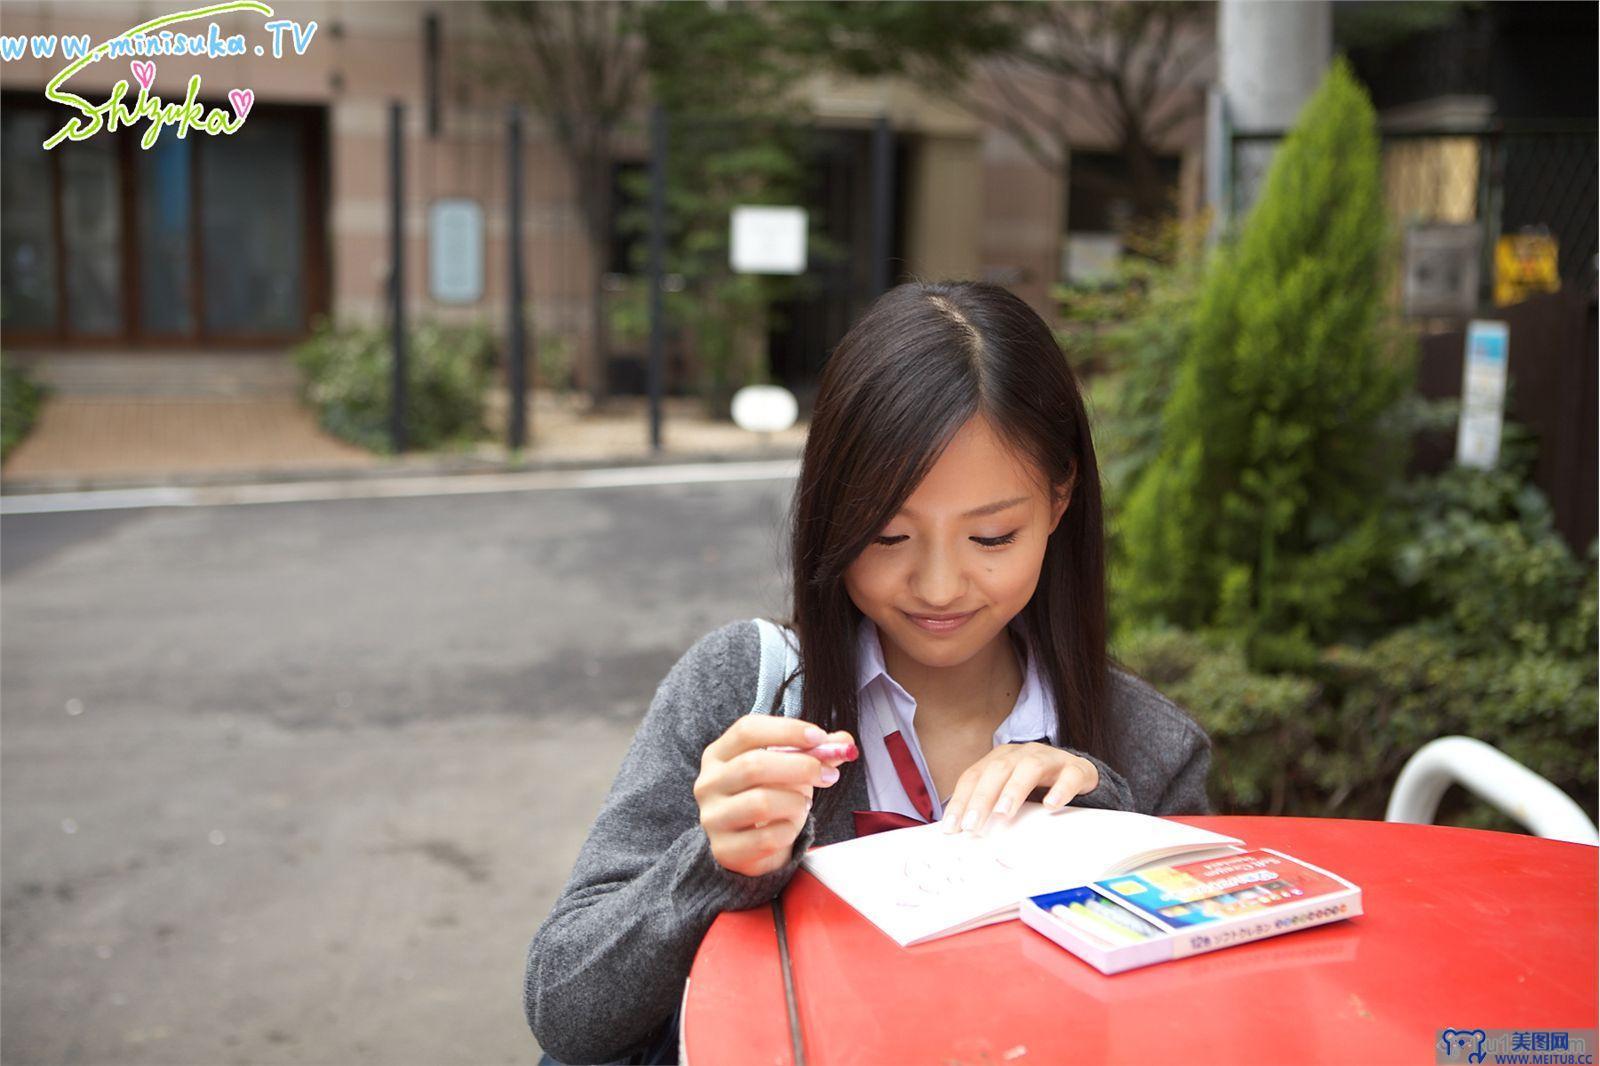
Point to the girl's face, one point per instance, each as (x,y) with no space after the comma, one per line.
(963,556)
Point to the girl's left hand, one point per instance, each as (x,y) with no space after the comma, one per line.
(1001,780)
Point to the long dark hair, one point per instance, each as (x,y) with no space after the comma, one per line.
(920,362)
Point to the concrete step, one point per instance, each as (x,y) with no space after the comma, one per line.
(255,375)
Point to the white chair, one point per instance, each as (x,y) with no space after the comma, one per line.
(1494,777)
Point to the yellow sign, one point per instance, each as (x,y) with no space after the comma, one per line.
(1524,264)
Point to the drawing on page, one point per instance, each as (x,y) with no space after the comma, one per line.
(968,862)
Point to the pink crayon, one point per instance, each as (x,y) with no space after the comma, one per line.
(844,751)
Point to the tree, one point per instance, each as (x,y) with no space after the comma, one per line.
(1264,512)
(579,63)
(738,134)
(1127,64)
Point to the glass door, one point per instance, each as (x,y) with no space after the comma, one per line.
(166,242)
(28,298)
(204,241)
(91,237)
(253,231)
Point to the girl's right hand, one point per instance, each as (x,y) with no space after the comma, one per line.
(754,802)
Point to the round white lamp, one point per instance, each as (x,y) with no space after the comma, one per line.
(765,409)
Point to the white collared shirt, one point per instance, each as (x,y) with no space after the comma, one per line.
(885,707)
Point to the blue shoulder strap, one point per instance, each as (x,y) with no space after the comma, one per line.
(779,657)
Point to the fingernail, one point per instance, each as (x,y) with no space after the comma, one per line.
(829,775)
(948,822)
(969,821)
(814,735)
(1003,808)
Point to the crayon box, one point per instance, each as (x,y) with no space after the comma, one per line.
(1166,912)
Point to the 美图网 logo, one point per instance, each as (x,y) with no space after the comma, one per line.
(1464,1047)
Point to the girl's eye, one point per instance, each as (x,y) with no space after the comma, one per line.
(987,542)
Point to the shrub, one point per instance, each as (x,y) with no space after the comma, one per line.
(1264,511)
(347,376)
(1260,725)
(1500,645)
(20,399)
(555,362)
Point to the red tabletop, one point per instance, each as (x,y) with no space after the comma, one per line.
(1463,928)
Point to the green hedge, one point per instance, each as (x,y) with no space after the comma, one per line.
(347,374)
(1499,644)
(20,399)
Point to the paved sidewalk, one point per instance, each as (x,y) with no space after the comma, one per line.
(93,441)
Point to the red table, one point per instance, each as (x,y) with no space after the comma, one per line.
(1463,928)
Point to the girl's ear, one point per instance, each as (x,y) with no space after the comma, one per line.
(1063,497)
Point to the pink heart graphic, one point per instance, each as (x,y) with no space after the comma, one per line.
(241,99)
(145,72)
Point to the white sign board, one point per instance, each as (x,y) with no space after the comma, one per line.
(1483,394)
(1441,269)
(1091,257)
(768,240)
(455,251)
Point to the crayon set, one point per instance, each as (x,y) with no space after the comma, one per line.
(1166,912)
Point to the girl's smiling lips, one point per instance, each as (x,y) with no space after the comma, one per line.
(939,623)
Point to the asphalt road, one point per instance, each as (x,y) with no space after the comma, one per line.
(297,782)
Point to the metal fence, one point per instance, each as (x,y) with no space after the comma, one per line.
(1502,180)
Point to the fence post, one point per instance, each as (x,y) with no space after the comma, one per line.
(397,276)
(882,203)
(658,240)
(515,365)
(1491,202)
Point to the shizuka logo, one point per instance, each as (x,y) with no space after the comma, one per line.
(140,46)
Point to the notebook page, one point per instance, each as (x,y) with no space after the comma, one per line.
(917,883)
(1056,848)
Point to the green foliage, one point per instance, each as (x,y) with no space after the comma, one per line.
(1484,556)
(1265,511)
(936,42)
(737,135)
(1126,337)
(555,362)
(20,399)
(1259,725)
(1499,644)
(347,376)
(1320,616)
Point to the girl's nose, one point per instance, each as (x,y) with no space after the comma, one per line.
(937,580)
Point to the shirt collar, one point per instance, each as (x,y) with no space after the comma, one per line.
(1032,717)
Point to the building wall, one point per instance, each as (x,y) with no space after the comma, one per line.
(979,205)
(364,55)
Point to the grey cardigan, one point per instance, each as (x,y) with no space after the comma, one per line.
(607,967)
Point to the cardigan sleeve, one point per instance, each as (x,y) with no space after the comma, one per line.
(1112,793)
(1165,754)
(606,969)
(1185,793)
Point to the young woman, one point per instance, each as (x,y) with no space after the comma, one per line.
(949,604)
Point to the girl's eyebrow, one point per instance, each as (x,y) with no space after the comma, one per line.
(978,512)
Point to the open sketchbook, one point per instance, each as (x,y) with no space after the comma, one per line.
(921,883)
